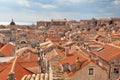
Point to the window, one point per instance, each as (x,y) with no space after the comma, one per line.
(91,71)
(116,70)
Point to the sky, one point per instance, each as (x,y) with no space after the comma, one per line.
(31,11)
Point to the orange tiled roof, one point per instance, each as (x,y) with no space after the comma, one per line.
(18,70)
(27,58)
(7,49)
(1,45)
(31,60)
(21,65)
(108,53)
(85,64)
(3,66)
(20,51)
(71,59)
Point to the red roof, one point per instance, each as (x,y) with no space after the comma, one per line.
(7,49)
(1,45)
(17,69)
(27,58)
(20,65)
(71,59)
(3,66)
(108,52)
(85,64)
(32,61)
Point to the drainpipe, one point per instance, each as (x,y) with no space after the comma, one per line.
(109,73)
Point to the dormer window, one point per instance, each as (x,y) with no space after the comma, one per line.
(91,71)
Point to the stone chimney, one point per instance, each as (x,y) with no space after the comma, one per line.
(78,63)
(28,55)
(66,51)
(96,61)
(11,76)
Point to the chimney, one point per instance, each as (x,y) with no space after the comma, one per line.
(28,55)
(66,51)
(96,61)
(11,76)
(78,63)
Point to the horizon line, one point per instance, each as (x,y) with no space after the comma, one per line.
(17,23)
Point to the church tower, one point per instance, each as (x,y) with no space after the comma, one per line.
(13,31)
(12,22)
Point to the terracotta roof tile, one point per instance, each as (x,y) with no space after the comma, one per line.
(7,49)
(29,64)
(18,70)
(108,52)
(71,59)
(1,45)
(30,61)
(27,58)
(3,66)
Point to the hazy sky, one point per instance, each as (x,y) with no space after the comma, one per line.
(34,10)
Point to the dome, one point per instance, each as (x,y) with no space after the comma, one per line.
(12,22)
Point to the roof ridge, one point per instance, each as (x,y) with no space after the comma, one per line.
(114,45)
(3,47)
(9,50)
(24,68)
(13,65)
(99,42)
(55,51)
(4,68)
(11,43)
